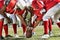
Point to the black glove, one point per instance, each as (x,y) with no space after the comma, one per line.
(7,2)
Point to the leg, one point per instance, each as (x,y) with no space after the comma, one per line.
(6,29)
(50,27)
(13,17)
(24,28)
(50,12)
(1,26)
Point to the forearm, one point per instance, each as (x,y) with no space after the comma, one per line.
(22,19)
(2,11)
(37,22)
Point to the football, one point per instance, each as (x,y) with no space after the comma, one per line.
(28,33)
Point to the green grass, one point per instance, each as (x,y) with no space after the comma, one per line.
(39,33)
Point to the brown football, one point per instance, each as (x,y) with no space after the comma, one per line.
(28,33)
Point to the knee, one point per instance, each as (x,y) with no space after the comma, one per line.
(45,18)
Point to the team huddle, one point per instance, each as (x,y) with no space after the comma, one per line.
(39,10)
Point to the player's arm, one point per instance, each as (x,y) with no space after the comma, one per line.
(2,11)
(38,20)
(22,19)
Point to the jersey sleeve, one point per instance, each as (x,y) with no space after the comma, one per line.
(57,0)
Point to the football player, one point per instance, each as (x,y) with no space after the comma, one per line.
(53,7)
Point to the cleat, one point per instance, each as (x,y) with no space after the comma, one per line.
(1,37)
(24,34)
(50,33)
(16,36)
(45,36)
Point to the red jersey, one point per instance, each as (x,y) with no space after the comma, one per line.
(19,12)
(49,3)
(1,3)
(36,5)
(57,0)
(11,5)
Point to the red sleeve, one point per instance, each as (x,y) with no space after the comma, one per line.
(37,5)
(39,17)
(19,12)
(40,5)
(9,10)
(11,6)
(57,0)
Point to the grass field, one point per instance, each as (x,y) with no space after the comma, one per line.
(39,33)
